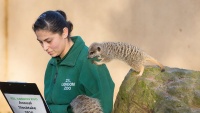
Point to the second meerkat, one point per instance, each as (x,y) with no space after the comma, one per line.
(128,53)
(86,104)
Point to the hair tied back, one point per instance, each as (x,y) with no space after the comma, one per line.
(43,16)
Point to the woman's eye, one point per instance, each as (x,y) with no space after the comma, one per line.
(48,41)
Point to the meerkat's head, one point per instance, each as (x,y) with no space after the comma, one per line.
(94,50)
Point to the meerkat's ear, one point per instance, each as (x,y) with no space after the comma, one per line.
(98,49)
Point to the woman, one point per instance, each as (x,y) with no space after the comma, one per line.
(69,72)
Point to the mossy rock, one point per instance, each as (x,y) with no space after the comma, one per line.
(173,91)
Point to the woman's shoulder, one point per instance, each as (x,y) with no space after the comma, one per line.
(83,56)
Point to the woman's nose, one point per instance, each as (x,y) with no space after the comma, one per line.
(45,46)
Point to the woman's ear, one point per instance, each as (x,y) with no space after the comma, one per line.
(65,32)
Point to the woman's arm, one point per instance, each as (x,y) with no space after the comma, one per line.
(96,82)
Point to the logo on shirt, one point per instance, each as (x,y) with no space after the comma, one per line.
(67,85)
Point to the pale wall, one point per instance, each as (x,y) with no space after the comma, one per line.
(2,41)
(3,105)
(166,29)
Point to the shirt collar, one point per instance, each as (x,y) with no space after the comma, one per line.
(71,57)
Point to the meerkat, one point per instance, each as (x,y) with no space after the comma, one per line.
(85,104)
(132,55)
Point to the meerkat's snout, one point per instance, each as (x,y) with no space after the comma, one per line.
(89,57)
(90,54)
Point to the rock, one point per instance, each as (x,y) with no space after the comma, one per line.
(173,91)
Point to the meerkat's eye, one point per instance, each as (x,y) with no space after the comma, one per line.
(92,52)
(98,48)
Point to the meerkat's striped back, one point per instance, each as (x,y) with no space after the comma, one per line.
(122,51)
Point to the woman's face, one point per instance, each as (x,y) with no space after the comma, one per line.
(53,43)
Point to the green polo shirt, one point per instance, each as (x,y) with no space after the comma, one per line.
(74,75)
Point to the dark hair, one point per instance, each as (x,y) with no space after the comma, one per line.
(53,21)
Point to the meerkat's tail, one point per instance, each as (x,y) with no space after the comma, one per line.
(151,59)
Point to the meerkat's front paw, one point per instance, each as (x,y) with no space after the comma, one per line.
(97,63)
(138,75)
